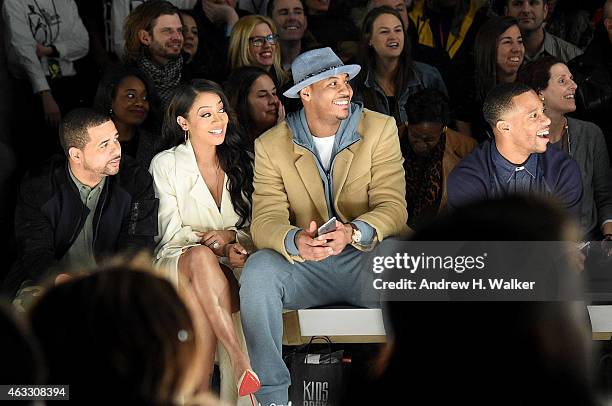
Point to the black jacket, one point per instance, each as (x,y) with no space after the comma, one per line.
(50,216)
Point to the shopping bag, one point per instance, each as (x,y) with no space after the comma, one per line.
(317,379)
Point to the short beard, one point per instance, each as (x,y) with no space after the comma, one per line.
(165,55)
(173,57)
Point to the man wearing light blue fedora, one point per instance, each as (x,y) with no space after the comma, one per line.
(333,158)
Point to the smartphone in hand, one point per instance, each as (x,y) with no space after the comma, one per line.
(328,227)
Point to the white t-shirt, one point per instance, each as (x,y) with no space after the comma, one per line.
(325,145)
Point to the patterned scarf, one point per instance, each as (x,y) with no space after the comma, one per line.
(423,182)
(166,78)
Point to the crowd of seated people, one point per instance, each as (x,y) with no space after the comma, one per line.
(217,138)
(107,335)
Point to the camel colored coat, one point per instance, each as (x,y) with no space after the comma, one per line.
(367,177)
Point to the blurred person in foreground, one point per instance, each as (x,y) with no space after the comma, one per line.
(123,333)
(521,352)
(22,358)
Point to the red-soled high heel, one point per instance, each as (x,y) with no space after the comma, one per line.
(248,383)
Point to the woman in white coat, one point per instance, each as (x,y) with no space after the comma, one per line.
(204,183)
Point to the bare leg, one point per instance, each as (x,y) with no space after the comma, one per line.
(212,289)
(207,342)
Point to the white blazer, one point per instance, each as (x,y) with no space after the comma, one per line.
(185,206)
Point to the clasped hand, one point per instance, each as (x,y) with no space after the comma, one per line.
(217,240)
(317,248)
(223,244)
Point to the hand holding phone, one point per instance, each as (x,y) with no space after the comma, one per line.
(328,227)
(335,235)
(311,248)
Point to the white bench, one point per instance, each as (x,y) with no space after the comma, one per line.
(357,325)
(341,324)
(601,321)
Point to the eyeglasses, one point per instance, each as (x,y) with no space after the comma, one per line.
(258,42)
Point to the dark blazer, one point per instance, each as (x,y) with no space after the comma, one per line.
(50,216)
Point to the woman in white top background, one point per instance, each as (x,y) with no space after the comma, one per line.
(204,183)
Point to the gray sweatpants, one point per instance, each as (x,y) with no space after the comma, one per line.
(269,284)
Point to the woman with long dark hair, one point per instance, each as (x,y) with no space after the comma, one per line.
(204,183)
(253,97)
(498,55)
(389,75)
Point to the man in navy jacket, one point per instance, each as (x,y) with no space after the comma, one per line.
(517,161)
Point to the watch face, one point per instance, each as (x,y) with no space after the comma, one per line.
(356,236)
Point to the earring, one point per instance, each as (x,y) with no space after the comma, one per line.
(110,112)
(186,135)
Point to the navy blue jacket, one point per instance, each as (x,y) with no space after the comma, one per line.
(474,179)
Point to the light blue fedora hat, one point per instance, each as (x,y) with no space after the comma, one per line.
(313,66)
